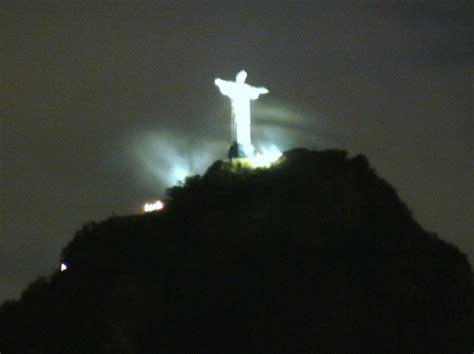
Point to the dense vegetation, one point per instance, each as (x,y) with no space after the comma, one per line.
(314,255)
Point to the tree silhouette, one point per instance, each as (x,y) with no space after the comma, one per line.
(316,254)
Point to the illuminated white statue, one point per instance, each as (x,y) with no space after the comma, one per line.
(240,95)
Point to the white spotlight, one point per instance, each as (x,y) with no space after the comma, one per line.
(148,207)
(266,157)
(63,267)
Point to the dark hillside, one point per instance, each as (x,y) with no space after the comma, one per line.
(313,255)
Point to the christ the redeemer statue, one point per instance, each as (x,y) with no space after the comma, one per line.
(240,95)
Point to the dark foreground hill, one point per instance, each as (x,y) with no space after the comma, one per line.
(313,255)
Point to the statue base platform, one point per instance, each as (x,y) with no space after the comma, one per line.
(237,151)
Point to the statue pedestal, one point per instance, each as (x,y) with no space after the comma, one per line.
(237,150)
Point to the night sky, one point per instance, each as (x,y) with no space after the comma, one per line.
(105,105)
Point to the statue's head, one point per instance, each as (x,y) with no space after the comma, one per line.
(241,76)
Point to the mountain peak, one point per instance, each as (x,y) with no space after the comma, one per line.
(314,253)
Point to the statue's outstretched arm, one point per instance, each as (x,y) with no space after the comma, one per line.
(223,86)
(257,91)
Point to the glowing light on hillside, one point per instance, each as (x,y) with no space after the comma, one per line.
(63,267)
(266,158)
(148,207)
(179,173)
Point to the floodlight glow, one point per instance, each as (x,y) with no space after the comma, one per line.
(240,95)
(167,158)
(148,207)
(266,157)
(179,173)
(63,267)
